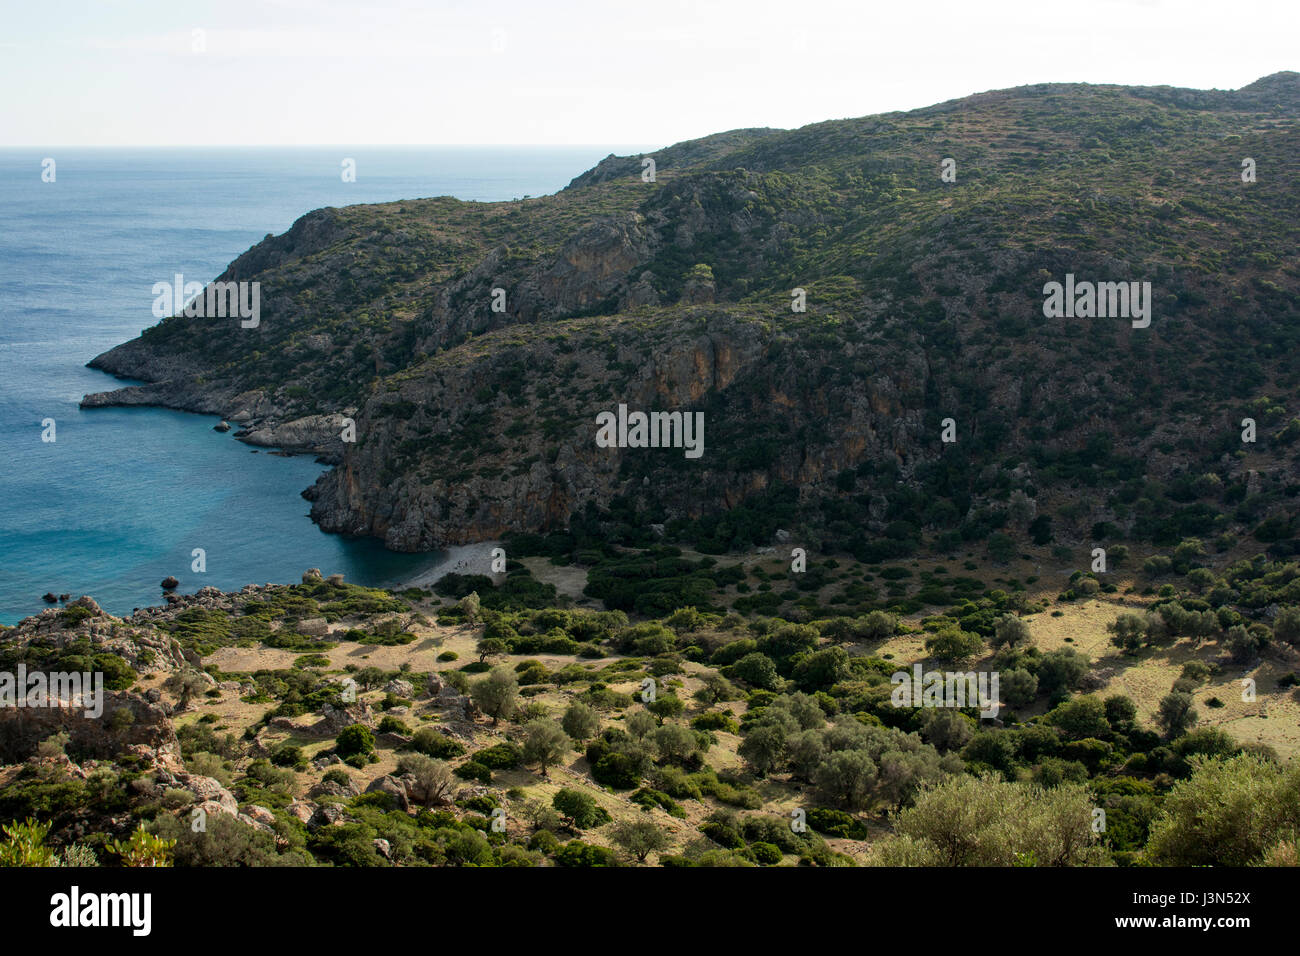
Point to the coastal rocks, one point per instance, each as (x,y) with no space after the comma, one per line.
(335,579)
(144,648)
(49,598)
(222,426)
(170,583)
(314,433)
(311,576)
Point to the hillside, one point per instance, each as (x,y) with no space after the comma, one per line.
(924,303)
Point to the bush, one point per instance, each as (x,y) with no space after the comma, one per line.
(577,853)
(393,725)
(766,853)
(287,755)
(434,743)
(579,809)
(356,740)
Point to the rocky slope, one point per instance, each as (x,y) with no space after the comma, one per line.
(475,412)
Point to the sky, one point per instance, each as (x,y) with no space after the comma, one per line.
(316,72)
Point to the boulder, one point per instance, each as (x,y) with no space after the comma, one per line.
(311,575)
(313,627)
(393,787)
(261,814)
(400,688)
(335,579)
(325,816)
(209,790)
(169,583)
(335,719)
(301,810)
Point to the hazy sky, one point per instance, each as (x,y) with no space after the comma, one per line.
(298,72)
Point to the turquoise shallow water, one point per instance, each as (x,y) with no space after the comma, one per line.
(123,496)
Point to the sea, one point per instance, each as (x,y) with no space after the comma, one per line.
(122,497)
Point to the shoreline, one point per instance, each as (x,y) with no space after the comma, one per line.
(458,559)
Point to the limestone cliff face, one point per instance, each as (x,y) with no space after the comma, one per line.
(821,295)
(408,481)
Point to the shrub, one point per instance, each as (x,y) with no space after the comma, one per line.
(356,740)
(434,743)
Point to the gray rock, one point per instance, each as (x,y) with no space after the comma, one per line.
(393,787)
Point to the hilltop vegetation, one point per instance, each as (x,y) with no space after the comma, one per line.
(924,303)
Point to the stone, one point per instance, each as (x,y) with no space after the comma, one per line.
(335,579)
(313,627)
(393,787)
(311,575)
(169,583)
(400,688)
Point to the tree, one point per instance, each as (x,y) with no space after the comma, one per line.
(580,721)
(675,743)
(666,705)
(489,646)
(1002,547)
(715,688)
(822,669)
(185,684)
(1128,632)
(1286,626)
(545,744)
(985,821)
(368,677)
(496,693)
(757,670)
(846,778)
(1019,687)
(1011,631)
(433,778)
(470,606)
(639,838)
(1120,710)
(954,645)
(580,810)
(354,740)
(875,626)
(1081,717)
(902,774)
(1177,714)
(640,723)
(1228,813)
(763,748)
(1060,669)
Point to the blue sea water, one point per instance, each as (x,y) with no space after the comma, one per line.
(122,497)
